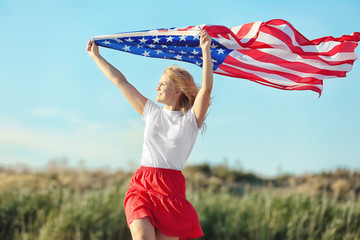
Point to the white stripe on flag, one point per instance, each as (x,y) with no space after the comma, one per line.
(295,58)
(273,67)
(252,33)
(323,47)
(341,56)
(270,77)
(273,79)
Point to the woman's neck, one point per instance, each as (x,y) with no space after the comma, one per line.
(172,108)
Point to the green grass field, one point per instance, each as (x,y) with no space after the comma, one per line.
(82,204)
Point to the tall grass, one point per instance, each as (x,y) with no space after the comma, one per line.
(57,213)
(266,214)
(29,210)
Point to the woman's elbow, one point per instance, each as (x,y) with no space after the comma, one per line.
(207,88)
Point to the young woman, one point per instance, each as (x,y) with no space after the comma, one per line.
(155,204)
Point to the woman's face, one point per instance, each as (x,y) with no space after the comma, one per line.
(167,94)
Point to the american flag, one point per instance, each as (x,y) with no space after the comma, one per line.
(271,53)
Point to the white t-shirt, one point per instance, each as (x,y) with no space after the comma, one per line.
(169,137)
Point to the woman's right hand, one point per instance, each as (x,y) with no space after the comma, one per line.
(205,40)
(92,49)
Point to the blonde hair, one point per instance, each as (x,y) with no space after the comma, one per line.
(182,81)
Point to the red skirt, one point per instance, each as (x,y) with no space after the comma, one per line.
(159,193)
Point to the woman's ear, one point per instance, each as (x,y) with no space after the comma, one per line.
(178,93)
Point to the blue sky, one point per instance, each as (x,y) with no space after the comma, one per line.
(55,102)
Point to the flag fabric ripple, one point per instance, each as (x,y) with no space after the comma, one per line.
(271,53)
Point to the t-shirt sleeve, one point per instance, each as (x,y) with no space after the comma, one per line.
(150,107)
(192,119)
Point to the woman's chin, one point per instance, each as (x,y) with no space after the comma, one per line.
(161,99)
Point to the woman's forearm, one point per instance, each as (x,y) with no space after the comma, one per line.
(136,99)
(207,75)
(110,71)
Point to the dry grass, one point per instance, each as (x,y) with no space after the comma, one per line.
(61,202)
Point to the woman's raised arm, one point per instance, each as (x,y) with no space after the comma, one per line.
(202,100)
(136,99)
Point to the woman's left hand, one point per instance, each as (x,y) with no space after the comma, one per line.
(205,40)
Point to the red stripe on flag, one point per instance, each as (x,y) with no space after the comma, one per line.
(352,38)
(244,30)
(342,47)
(233,72)
(292,77)
(297,66)
(257,44)
(301,39)
(309,87)
(215,30)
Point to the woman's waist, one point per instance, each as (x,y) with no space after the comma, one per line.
(158,162)
(163,181)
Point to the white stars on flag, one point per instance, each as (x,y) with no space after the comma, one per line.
(169,39)
(126,48)
(220,51)
(143,40)
(213,45)
(182,38)
(156,40)
(158,51)
(163,45)
(146,53)
(195,52)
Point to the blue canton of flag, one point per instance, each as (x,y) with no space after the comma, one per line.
(161,44)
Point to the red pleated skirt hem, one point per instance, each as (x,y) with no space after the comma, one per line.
(160,194)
